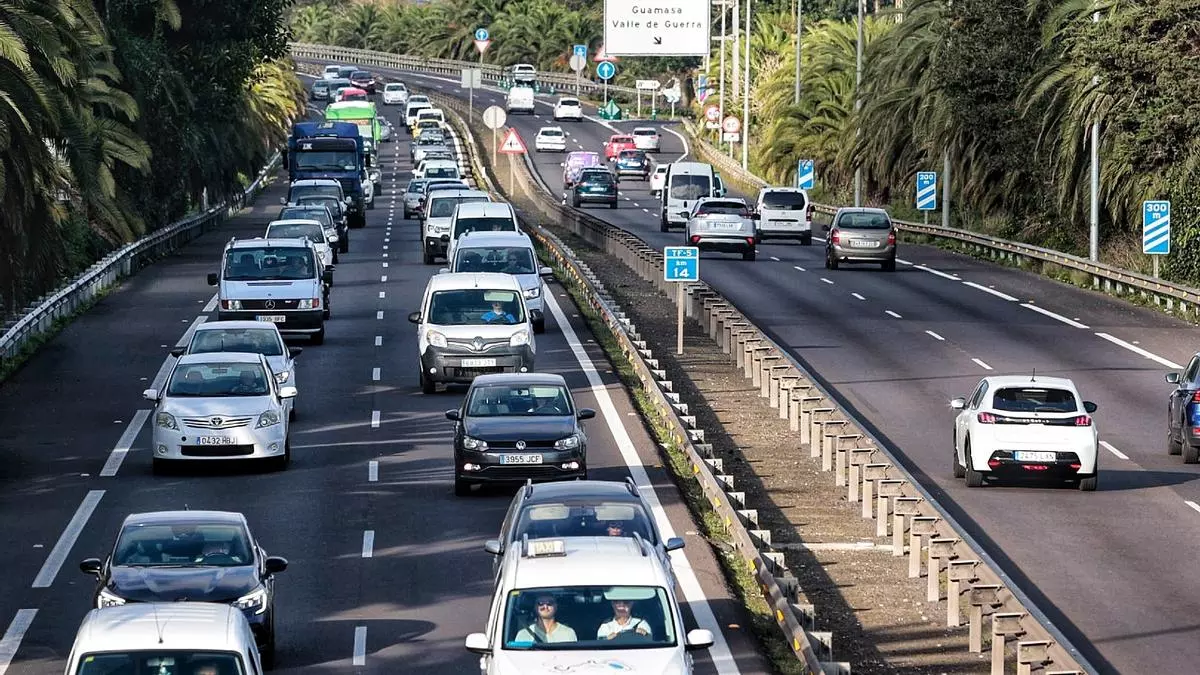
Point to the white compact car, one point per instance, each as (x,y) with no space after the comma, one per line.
(550,139)
(311,230)
(1026,426)
(647,138)
(568,108)
(395,93)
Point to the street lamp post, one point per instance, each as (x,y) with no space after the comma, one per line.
(858,74)
(1094,229)
(799,30)
(746,95)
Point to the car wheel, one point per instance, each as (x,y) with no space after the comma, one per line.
(539,326)
(335,256)
(461,487)
(889,265)
(344,244)
(662,226)
(160,467)
(974,478)
(575,202)
(428,386)
(1191,453)
(281,462)
(327,313)
(1090,483)
(749,254)
(612,205)
(427,258)
(806,240)
(960,471)
(318,338)
(1173,448)
(292,412)
(831,261)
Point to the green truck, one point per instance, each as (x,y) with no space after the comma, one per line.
(363,115)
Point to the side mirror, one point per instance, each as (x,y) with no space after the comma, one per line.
(545,272)
(453,415)
(415,317)
(212,278)
(494,547)
(562,164)
(1089,407)
(958,403)
(150,395)
(349,201)
(178,351)
(295,351)
(91,566)
(274,564)
(478,643)
(444,270)
(287,392)
(333,239)
(674,544)
(283,200)
(586,413)
(1172,378)
(698,639)
(327,276)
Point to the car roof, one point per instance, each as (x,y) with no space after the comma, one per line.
(861,209)
(203,626)
(395,84)
(467,192)
(568,99)
(485,210)
(552,127)
(440,163)
(637,129)
(312,182)
(260,242)
(518,378)
(460,280)
(592,561)
(294,221)
(1033,381)
(784,189)
(601,489)
(160,517)
(235,325)
(619,136)
(220,357)
(706,200)
(486,239)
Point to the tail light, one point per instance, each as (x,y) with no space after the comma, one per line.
(835,236)
(695,239)
(986,418)
(808,212)
(750,240)
(1196,396)
(1083,421)
(892,238)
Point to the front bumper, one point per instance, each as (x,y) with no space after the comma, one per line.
(246,442)
(437,245)
(441,365)
(486,467)
(299,322)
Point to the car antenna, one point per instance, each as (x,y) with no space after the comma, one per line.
(1033,378)
(157,626)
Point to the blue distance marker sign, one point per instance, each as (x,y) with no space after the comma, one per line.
(927,190)
(605,70)
(481,34)
(806,174)
(580,50)
(1156,227)
(681,263)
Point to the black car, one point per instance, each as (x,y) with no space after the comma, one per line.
(363,80)
(634,163)
(518,426)
(201,556)
(307,210)
(595,186)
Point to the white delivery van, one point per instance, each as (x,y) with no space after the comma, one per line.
(685,183)
(784,213)
(520,99)
(506,253)
(469,325)
(492,217)
(439,212)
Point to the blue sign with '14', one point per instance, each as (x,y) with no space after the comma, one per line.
(681,263)
(927,190)
(806,174)
(1156,227)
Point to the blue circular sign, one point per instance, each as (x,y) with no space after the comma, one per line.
(606,70)
(481,34)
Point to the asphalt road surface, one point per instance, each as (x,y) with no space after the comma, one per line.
(387,569)
(1107,567)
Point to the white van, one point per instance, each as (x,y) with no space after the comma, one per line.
(331,72)
(520,99)
(277,280)
(784,213)
(439,212)
(165,638)
(437,168)
(492,217)
(416,103)
(686,182)
(506,253)
(472,324)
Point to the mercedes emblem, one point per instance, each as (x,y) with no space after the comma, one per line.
(520,445)
(270,304)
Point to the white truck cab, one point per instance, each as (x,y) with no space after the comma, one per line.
(506,253)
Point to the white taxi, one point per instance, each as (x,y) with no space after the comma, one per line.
(1015,425)
(564,602)
(550,139)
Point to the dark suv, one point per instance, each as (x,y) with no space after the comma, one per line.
(634,163)
(595,186)
(363,80)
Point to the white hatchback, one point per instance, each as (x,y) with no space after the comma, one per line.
(395,93)
(550,139)
(568,108)
(647,138)
(1025,426)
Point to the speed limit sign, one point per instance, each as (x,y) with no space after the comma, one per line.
(712,113)
(731,125)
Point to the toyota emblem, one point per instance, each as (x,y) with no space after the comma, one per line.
(520,445)
(270,304)
(216,421)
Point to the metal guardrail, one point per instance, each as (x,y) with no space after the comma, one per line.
(40,316)
(1107,278)
(938,548)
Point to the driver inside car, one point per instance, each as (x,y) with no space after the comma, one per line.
(498,313)
(623,621)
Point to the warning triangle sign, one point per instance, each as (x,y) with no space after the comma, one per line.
(512,145)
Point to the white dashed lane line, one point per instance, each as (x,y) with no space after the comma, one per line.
(374,419)
(375,375)
(378,340)
(360,646)
(826,280)
(985,289)
(799,268)
(860,297)
(981,364)
(66,541)
(379,315)
(1108,446)
(1141,352)
(13,635)
(775,259)
(892,314)
(1193,505)
(1052,315)
(935,336)
(373,471)
(368,545)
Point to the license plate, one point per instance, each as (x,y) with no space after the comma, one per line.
(520,459)
(784,223)
(215,440)
(724,227)
(272,318)
(862,243)
(479,363)
(1028,456)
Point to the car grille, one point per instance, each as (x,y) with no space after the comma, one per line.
(216,422)
(507,446)
(269,304)
(350,185)
(216,450)
(473,347)
(476,372)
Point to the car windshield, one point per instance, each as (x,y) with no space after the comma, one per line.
(301,191)
(263,341)
(723,208)
(218,379)
(1034,399)
(360,75)
(160,662)
(269,263)
(193,543)
(864,221)
(502,259)
(784,201)
(519,400)
(311,231)
(464,225)
(443,207)
(689,187)
(442,172)
(587,617)
(475,307)
(311,213)
(581,517)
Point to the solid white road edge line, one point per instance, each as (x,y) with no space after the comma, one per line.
(124,444)
(985,289)
(360,646)
(981,364)
(1108,446)
(13,636)
(1052,315)
(687,149)
(951,277)
(368,548)
(722,658)
(1138,350)
(58,555)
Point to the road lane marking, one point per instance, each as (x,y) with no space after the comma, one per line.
(368,548)
(858,296)
(375,375)
(1138,350)
(686,148)
(775,259)
(212,304)
(935,336)
(1194,505)
(892,314)
(1108,446)
(385,265)
(382,295)
(124,444)
(360,645)
(993,291)
(799,268)
(904,262)
(1052,315)
(13,636)
(373,471)
(981,364)
(383,279)
(374,419)
(826,280)
(58,554)
(379,315)
(951,277)
(378,340)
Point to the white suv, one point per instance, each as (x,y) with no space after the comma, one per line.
(550,139)
(784,213)
(568,108)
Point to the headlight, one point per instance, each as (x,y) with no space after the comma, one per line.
(254,600)
(283,377)
(166,421)
(569,443)
(108,599)
(519,338)
(531,293)
(474,444)
(231,304)
(268,419)
(435,338)
(308,303)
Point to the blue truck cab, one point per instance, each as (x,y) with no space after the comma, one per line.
(332,150)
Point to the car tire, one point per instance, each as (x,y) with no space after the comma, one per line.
(267,653)
(613,205)
(806,240)
(575,202)
(1173,448)
(428,386)
(974,478)
(960,471)
(1191,453)
(461,487)
(427,258)
(663,227)
(539,326)
(327,313)
(282,462)
(749,255)
(1090,483)
(889,265)
(335,255)
(318,338)
(831,261)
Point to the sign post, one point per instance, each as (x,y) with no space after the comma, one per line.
(494,118)
(806,174)
(1156,230)
(512,145)
(681,265)
(471,78)
(605,71)
(578,63)
(634,27)
(926,193)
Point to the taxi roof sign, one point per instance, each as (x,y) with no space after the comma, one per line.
(542,548)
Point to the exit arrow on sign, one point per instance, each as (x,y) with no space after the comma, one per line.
(658,40)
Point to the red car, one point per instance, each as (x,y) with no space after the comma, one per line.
(616,144)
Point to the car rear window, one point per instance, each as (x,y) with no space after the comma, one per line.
(395,86)
(630,154)
(597,177)
(864,221)
(568,101)
(644,132)
(727,208)
(784,201)
(622,139)
(581,517)
(464,225)
(550,132)
(1034,399)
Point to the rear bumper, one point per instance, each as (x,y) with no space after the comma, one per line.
(726,244)
(591,198)
(846,254)
(299,322)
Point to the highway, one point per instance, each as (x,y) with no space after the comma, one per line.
(1106,567)
(387,569)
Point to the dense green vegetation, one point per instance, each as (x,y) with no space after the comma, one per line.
(116,115)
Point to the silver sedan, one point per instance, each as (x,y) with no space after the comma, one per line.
(861,235)
(251,337)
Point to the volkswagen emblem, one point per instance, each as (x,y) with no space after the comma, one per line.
(520,445)
(216,421)
(270,304)
(478,344)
